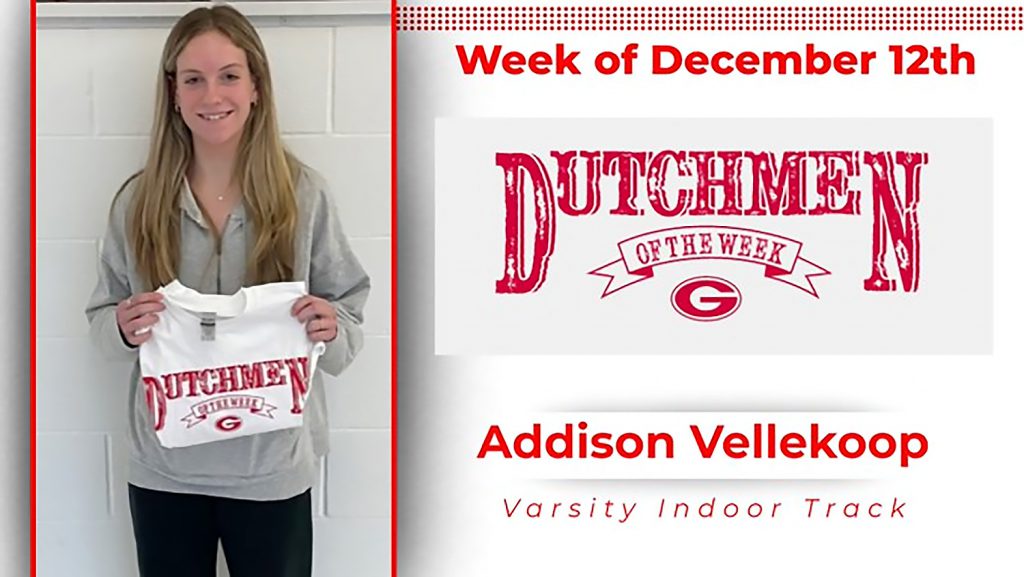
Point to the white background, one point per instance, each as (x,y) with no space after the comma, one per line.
(962,502)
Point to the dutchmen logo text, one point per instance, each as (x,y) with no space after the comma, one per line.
(692,188)
(232,389)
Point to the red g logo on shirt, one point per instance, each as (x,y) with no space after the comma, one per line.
(228,423)
(706,298)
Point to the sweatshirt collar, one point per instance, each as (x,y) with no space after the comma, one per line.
(187,202)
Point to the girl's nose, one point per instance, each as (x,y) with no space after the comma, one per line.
(213,93)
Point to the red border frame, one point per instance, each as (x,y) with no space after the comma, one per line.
(394,288)
(32,276)
(394,293)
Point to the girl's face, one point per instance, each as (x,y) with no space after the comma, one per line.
(214,90)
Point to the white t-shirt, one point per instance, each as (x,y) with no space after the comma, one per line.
(226,366)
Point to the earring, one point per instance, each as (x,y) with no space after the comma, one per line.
(177,109)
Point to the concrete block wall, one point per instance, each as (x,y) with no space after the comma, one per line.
(96,76)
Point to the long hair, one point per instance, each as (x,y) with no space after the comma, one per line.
(264,170)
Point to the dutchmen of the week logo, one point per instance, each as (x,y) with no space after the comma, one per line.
(238,390)
(690,191)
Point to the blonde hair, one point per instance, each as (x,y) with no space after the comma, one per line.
(265,171)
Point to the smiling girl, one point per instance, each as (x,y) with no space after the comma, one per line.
(220,205)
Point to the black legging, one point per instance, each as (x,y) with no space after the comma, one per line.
(176,535)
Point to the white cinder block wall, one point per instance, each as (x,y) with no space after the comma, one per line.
(96,74)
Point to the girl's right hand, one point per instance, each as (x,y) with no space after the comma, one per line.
(137,314)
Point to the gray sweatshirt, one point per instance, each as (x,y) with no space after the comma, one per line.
(267,466)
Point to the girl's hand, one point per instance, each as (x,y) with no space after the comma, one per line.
(319,316)
(137,314)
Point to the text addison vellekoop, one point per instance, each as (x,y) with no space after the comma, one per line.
(760,441)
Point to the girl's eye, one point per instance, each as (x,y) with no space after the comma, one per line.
(231,77)
(192,80)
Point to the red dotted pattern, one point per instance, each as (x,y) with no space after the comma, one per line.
(708,18)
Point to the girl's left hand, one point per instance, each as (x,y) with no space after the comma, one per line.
(319,317)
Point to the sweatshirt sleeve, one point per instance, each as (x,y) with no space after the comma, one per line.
(112,286)
(336,276)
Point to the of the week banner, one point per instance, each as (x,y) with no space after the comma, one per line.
(721,288)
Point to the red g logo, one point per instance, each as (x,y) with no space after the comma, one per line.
(228,423)
(706,298)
